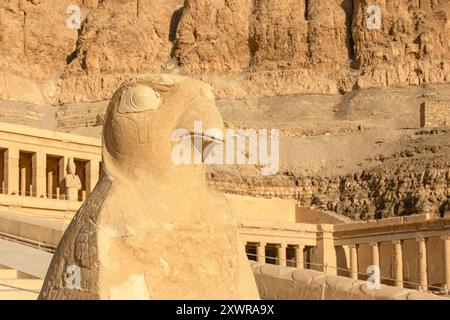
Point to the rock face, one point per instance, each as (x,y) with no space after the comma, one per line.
(242,47)
(34,45)
(118,39)
(362,196)
(152,229)
(121,37)
(268,34)
(397,188)
(34,39)
(412,47)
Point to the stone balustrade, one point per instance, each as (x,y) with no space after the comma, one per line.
(277,282)
(411,252)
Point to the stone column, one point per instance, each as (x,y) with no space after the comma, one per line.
(11,174)
(398,263)
(261,252)
(23,181)
(39,176)
(446,240)
(92,174)
(50,184)
(62,173)
(375,254)
(299,259)
(281,254)
(353,262)
(423,277)
(2,172)
(325,248)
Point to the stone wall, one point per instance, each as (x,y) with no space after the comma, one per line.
(307,215)
(32,230)
(435,114)
(261,208)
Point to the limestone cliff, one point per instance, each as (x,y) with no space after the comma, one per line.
(243,47)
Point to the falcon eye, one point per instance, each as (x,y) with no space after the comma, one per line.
(139,98)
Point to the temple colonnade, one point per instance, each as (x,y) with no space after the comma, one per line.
(33,162)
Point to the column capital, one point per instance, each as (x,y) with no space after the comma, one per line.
(13,151)
(374,244)
(261,244)
(446,237)
(420,239)
(281,245)
(396,241)
(299,246)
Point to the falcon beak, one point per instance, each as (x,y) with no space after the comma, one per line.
(202,110)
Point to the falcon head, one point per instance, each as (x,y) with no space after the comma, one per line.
(145,111)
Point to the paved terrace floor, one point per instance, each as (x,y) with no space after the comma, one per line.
(26,259)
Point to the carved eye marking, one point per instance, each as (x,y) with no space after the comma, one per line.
(139,98)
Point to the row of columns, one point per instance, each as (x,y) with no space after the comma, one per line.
(16,177)
(398,261)
(281,254)
(324,252)
(375,259)
(15,181)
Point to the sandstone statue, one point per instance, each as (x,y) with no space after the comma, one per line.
(72,182)
(152,229)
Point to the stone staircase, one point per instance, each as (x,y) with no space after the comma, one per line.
(16,285)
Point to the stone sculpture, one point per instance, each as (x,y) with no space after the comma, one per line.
(72,181)
(152,229)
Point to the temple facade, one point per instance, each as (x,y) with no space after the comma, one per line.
(35,165)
